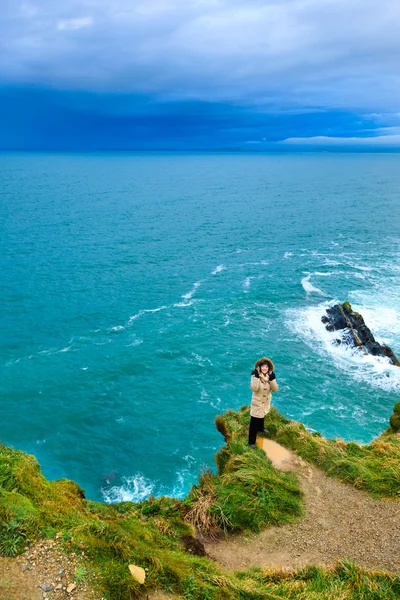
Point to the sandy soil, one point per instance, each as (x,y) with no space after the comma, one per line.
(341,522)
(44,571)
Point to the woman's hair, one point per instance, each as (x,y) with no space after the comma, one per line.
(264,361)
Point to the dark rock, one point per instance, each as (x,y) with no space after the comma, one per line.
(355,332)
(45,588)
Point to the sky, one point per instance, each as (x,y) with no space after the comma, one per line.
(200,74)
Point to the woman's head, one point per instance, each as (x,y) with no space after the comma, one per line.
(265,365)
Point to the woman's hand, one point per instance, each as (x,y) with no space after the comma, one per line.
(272,376)
(256,373)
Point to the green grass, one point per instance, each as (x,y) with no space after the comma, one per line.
(247,494)
(373,467)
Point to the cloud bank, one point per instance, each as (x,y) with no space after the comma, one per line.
(264,58)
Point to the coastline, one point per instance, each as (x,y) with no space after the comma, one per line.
(247,496)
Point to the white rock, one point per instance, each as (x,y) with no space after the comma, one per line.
(137,573)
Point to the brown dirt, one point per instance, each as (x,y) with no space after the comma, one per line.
(44,571)
(341,522)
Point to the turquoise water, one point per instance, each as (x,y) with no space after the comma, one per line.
(139,289)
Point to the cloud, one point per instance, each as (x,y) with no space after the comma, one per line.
(382,141)
(34,118)
(72,24)
(293,53)
(219,72)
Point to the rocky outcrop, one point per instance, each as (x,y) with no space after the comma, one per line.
(355,332)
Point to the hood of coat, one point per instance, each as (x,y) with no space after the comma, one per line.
(264,360)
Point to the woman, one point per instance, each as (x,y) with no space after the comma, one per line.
(263,382)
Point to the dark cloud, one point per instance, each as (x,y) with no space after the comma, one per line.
(48,119)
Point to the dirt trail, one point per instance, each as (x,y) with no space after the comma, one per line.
(341,522)
(44,571)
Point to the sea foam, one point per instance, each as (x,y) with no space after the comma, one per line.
(218,269)
(375,370)
(308,287)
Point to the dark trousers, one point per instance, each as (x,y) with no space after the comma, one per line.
(256,424)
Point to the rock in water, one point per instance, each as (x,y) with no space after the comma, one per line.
(356,333)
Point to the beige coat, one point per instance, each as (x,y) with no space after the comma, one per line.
(261,399)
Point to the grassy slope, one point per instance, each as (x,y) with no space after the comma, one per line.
(373,467)
(247,494)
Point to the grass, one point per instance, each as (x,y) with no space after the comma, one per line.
(247,494)
(156,534)
(373,467)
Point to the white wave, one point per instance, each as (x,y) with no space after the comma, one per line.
(216,404)
(362,268)
(375,370)
(197,359)
(257,263)
(190,294)
(308,287)
(204,396)
(138,487)
(332,263)
(246,283)
(182,304)
(135,342)
(218,269)
(50,351)
(145,311)
(179,490)
(288,254)
(383,321)
(134,489)
(9,363)
(84,368)
(116,328)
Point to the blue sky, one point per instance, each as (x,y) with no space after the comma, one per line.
(254,74)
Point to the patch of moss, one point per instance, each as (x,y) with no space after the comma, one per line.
(396,408)
(395,422)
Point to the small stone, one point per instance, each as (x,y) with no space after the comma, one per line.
(45,588)
(71,587)
(137,573)
(58,586)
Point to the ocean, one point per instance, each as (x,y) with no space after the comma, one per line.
(138,290)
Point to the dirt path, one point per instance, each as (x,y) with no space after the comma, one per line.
(340,522)
(44,571)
